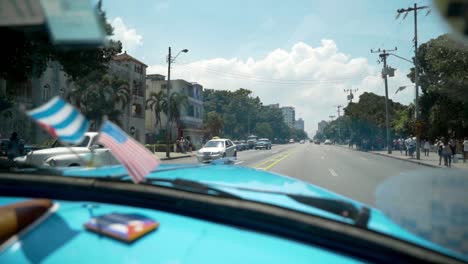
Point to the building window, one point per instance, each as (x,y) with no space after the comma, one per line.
(191,111)
(46,92)
(137,110)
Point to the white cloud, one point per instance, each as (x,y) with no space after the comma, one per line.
(311,79)
(129,37)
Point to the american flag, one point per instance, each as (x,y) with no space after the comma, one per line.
(137,159)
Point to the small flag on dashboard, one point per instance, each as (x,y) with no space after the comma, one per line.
(61,120)
(136,158)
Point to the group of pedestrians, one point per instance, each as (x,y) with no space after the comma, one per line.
(184,144)
(407,145)
(446,148)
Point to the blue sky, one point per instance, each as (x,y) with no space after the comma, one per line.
(254,29)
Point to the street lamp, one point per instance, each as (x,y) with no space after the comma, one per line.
(170,60)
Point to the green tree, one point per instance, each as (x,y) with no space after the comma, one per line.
(179,104)
(97,96)
(214,123)
(443,79)
(263,130)
(155,103)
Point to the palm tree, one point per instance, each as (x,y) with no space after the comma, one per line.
(99,96)
(178,103)
(155,103)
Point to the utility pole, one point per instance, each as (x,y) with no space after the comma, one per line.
(415,9)
(338,107)
(168,127)
(385,72)
(350,96)
(170,60)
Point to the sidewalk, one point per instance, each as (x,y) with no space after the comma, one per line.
(432,160)
(174,155)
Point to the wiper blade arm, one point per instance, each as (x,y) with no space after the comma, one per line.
(193,186)
(360,216)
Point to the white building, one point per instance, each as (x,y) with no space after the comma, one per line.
(133,71)
(299,124)
(289,115)
(191,116)
(321,126)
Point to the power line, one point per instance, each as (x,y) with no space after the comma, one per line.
(230,75)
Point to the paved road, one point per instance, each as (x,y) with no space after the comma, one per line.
(431,202)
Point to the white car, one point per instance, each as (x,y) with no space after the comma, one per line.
(328,142)
(97,158)
(215,149)
(39,157)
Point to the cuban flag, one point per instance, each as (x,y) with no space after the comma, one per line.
(63,121)
(136,158)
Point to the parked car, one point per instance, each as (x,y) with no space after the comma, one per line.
(302,141)
(215,149)
(240,145)
(327,142)
(97,157)
(251,141)
(317,142)
(263,143)
(38,157)
(291,141)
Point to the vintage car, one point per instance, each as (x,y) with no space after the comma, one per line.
(182,212)
(73,153)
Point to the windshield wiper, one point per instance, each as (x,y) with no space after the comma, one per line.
(193,186)
(360,216)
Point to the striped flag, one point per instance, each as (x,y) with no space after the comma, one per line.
(137,159)
(63,121)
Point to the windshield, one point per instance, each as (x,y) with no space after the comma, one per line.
(214,144)
(364,99)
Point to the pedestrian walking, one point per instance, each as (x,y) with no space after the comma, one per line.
(182,145)
(427,147)
(453,147)
(189,144)
(411,145)
(15,148)
(465,149)
(447,153)
(439,146)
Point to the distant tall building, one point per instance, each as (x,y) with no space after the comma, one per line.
(289,115)
(274,105)
(299,124)
(321,126)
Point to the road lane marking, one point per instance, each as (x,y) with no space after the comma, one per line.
(276,161)
(333,173)
(364,158)
(239,162)
(269,163)
(274,152)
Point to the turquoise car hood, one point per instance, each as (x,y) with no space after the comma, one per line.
(228,176)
